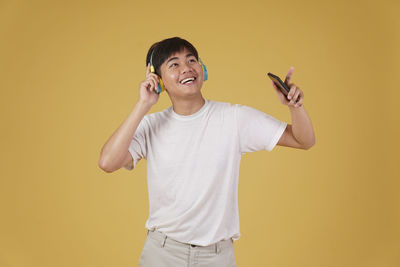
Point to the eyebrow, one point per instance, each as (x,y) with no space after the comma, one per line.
(173,58)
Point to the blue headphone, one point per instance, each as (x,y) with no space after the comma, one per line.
(161,84)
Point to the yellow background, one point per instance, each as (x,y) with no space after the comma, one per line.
(70,73)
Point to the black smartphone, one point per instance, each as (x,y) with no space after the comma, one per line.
(281,85)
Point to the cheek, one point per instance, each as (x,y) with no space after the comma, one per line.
(171,77)
(199,70)
(170,80)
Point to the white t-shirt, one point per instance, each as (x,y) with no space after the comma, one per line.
(193,167)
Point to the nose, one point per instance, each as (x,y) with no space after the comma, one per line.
(186,67)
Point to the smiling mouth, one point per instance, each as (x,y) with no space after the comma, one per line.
(188,80)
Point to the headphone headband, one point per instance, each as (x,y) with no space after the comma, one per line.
(151,62)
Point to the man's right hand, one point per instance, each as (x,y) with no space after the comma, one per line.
(148,88)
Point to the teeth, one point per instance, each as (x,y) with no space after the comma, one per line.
(187,80)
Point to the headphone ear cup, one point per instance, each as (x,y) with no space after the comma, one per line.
(160,86)
(205,73)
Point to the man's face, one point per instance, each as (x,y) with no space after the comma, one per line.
(182,74)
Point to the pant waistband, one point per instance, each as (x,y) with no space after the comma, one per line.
(164,240)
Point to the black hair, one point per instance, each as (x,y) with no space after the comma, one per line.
(167,47)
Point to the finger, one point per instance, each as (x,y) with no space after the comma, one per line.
(156,77)
(292,91)
(150,83)
(152,78)
(154,87)
(147,85)
(279,93)
(295,97)
(300,102)
(289,75)
(155,82)
(152,75)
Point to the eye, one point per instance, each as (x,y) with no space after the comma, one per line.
(192,60)
(173,65)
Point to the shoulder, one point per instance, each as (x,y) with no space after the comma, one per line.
(156,117)
(220,110)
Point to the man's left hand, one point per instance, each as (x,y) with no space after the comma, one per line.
(295,94)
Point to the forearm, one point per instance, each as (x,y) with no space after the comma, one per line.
(302,127)
(115,149)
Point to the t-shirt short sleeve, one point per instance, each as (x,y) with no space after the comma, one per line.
(257,130)
(137,147)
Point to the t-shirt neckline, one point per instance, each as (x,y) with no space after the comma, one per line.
(191,116)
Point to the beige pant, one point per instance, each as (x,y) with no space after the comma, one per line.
(162,251)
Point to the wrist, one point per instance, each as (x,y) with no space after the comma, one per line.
(293,108)
(143,106)
(143,103)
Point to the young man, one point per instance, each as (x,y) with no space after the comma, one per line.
(193,151)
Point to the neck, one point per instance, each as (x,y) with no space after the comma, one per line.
(187,106)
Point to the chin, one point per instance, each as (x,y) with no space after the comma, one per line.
(188,93)
(188,89)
